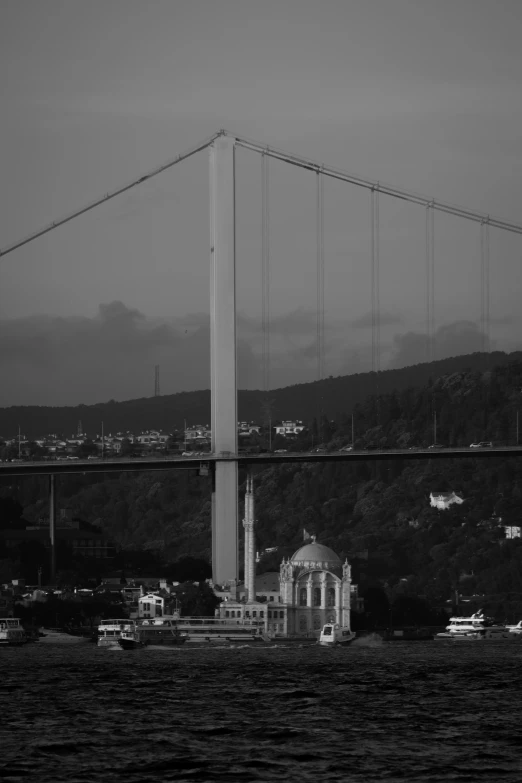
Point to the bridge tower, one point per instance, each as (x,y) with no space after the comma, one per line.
(223,359)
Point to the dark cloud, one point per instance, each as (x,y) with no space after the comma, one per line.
(62,361)
(366,320)
(66,361)
(455,339)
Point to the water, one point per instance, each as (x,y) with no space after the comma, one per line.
(420,711)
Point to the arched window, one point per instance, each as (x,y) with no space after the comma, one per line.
(317,596)
(227,613)
(302,596)
(317,623)
(303,624)
(331,596)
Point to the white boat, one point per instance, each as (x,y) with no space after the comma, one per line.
(109,632)
(12,631)
(478,627)
(334,634)
(515,629)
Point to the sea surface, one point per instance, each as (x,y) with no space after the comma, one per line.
(419,711)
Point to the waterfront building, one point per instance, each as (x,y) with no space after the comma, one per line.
(314,587)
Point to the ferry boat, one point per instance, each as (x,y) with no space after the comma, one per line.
(109,632)
(475,628)
(12,631)
(333,635)
(219,630)
(163,631)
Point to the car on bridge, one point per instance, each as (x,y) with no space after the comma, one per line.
(483,444)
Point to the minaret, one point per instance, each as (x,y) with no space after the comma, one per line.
(248,524)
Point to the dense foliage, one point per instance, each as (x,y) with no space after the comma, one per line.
(331,397)
(376,513)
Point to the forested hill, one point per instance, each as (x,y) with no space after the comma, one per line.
(331,397)
(377,514)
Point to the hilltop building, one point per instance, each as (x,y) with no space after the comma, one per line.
(443,500)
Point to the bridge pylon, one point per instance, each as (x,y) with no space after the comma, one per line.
(223,358)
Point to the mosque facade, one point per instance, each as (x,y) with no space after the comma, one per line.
(314,587)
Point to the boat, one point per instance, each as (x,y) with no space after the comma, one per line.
(220,630)
(334,634)
(162,632)
(515,629)
(109,632)
(478,627)
(12,631)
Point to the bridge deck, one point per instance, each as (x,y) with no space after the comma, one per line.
(119,464)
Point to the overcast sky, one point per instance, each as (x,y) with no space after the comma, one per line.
(420,94)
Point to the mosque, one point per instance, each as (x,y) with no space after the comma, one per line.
(313,587)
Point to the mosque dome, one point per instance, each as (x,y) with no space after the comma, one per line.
(316,554)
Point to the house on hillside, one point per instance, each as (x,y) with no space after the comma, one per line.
(443,500)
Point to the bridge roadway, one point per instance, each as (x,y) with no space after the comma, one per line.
(195,462)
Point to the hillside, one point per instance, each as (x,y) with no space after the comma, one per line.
(332,396)
(375,513)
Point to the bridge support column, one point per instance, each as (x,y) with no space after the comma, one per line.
(52,527)
(223,358)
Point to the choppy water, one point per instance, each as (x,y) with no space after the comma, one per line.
(421,711)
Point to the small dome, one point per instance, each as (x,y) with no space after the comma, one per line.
(315,553)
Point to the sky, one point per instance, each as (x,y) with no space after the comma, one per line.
(424,96)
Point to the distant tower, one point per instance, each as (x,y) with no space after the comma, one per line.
(156,381)
(248,524)
(79,431)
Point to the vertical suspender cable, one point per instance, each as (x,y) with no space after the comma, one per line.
(482,290)
(484,287)
(430,282)
(372,239)
(375,296)
(320,275)
(265,272)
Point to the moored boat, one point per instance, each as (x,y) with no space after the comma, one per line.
(333,635)
(152,632)
(12,631)
(478,627)
(515,629)
(109,632)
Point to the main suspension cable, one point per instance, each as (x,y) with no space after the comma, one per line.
(108,196)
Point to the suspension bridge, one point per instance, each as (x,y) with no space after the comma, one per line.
(224,459)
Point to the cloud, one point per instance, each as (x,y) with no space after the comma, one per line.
(455,339)
(366,320)
(47,360)
(60,361)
